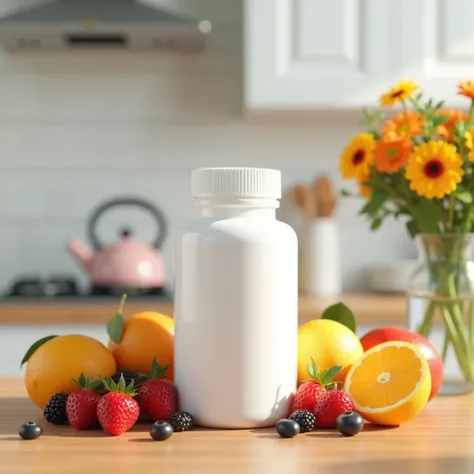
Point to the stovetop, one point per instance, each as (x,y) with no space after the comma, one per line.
(65,287)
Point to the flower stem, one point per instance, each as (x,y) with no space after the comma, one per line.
(457,346)
(425,327)
(444,352)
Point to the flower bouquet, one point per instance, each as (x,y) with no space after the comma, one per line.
(418,166)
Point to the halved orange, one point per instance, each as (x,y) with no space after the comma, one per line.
(390,384)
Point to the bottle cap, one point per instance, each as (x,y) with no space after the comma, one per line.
(236,182)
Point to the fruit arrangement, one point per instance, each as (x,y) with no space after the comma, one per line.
(78,381)
(115,407)
(385,377)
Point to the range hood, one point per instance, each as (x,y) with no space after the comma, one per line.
(100,24)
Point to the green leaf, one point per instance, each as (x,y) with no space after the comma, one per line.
(115,328)
(463,196)
(121,385)
(34,348)
(439,105)
(328,375)
(375,203)
(346,193)
(341,313)
(313,370)
(376,223)
(412,228)
(460,129)
(116,323)
(427,215)
(439,120)
(157,372)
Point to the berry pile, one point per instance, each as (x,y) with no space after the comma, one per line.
(318,403)
(115,404)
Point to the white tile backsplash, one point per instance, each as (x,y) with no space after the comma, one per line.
(76,129)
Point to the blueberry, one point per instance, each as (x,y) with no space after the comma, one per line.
(287,428)
(349,423)
(161,431)
(30,430)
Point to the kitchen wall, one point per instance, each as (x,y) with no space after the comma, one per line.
(78,129)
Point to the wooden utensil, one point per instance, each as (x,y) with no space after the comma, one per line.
(303,197)
(317,200)
(326,200)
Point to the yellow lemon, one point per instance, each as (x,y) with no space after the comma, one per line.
(329,343)
(390,384)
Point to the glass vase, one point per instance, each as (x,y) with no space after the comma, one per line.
(441,305)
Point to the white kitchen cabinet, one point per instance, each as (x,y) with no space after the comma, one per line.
(315,53)
(319,54)
(436,45)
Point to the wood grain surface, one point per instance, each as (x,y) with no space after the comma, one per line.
(368,308)
(439,441)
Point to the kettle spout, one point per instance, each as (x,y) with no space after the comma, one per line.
(81,252)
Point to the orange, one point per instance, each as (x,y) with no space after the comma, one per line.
(146,336)
(329,343)
(53,365)
(390,384)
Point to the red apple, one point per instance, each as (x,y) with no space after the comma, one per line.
(379,335)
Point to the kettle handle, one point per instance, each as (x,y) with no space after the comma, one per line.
(131,201)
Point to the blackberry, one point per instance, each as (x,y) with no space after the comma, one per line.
(128,375)
(305,419)
(55,410)
(181,421)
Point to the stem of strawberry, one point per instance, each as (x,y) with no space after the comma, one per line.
(324,378)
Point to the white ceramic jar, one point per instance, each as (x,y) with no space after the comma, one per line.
(236,302)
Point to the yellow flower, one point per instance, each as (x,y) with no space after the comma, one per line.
(357,155)
(468,139)
(434,169)
(466,88)
(403,90)
(362,178)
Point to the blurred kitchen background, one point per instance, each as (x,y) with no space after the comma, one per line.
(279,84)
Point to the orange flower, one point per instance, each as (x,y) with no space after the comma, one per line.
(447,129)
(404,125)
(466,88)
(391,154)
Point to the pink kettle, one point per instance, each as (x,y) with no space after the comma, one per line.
(128,264)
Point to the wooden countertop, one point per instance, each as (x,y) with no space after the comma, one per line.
(368,308)
(438,441)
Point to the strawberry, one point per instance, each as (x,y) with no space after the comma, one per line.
(117,410)
(311,389)
(157,396)
(81,405)
(329,406)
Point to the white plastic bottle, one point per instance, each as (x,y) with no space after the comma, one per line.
(236,302)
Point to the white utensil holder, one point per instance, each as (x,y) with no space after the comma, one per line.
(321,259)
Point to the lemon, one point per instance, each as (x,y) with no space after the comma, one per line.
(329,343)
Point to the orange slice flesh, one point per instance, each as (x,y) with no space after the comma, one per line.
(390,384)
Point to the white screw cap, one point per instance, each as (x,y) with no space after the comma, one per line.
(236,182)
